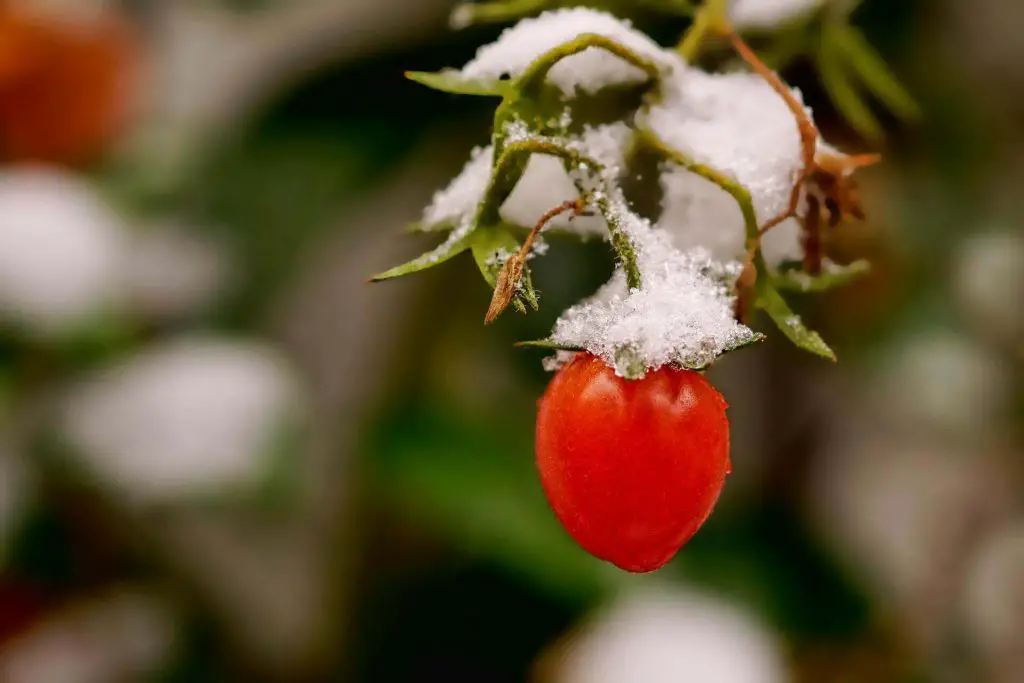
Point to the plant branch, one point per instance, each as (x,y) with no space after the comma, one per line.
(512,270)
(806,128)
(711,19)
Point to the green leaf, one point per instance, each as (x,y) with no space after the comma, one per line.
(547,345)
(629,364)
(874,72)
(842,92)
(453,82)
(832,276)
(447,249)
(771,302)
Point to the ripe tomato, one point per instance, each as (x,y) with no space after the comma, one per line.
(66,87)
(632,468)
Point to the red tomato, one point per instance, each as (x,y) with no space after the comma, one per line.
(65,88)
(632,468)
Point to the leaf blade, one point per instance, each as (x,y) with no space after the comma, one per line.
(771,302)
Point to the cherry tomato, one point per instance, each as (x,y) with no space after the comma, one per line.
(632,468)
(66,87)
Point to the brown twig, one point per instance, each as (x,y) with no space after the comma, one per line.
(808,131)
(812,237)
(512,270)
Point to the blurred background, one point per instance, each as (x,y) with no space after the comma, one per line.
(226,457)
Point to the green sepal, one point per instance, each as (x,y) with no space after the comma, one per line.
(628,364)
(445,251)
(874,73)
(791,278)
(453,82)
(771,302)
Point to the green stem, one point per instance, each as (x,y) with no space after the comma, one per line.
(737,191)
(509,169)
(709,20)
(534,76)
(621,241)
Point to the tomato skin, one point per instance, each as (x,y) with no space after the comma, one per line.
(632,468)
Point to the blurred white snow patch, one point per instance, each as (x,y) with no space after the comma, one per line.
(62,251)
(546,184)
(669,636)
(698,213)
(125,635)
(175,272)
(15,495)
(906,515)
(769,14)
(184,419)
(736,124)
(993,600)
(589,71)
(989,283)
(682,312)
(946,383)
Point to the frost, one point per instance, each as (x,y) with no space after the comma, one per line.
(681,314)
(589,71)
(546,184)
(768,14)
(499,257)
(456,203)
(557,361)
(734,123)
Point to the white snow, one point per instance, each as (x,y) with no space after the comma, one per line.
(769,14)
(589,71)
(62,251)
(183,419)
(546,184)
(736,124)
(698,213)
(672,635)
(682,313)
(457,202)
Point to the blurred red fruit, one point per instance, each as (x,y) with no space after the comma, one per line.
(66,87)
